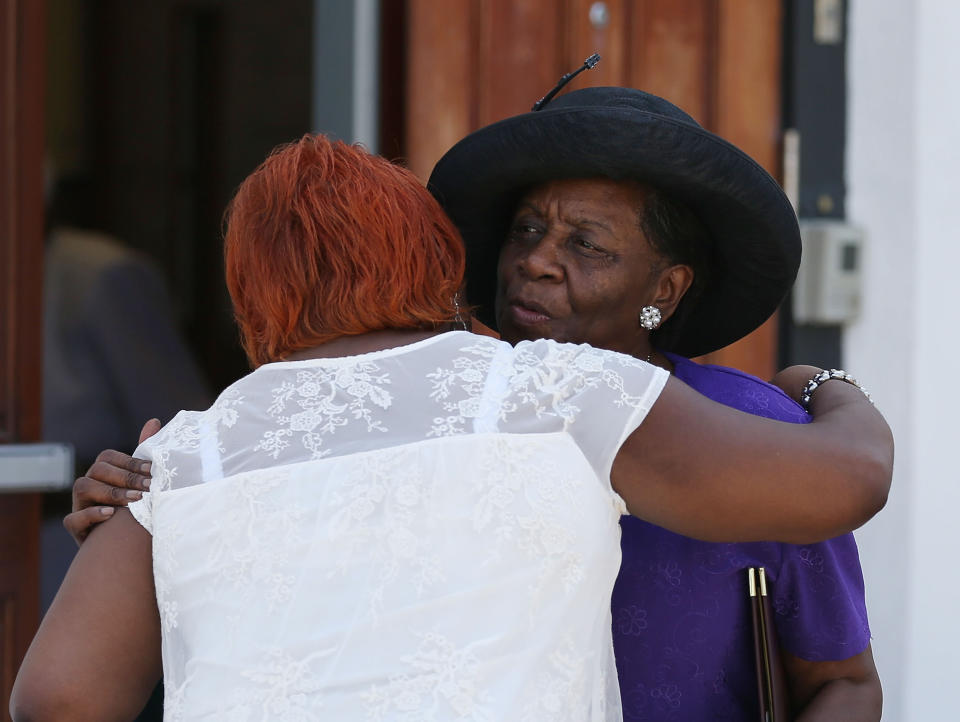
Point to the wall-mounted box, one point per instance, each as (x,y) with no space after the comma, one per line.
(830,282)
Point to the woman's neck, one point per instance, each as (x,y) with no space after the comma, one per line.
(362,343)
(659,359)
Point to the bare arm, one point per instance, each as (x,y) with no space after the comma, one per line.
(846,690)
(708,471)
(96,655)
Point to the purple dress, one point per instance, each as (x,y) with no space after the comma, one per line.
(681,624)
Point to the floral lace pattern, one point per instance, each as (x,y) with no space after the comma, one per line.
(442,683)
(546,384)
(537,530)
(243,566)
(318,394)
(377,506)
(404,535)
(281,687)
(558,692)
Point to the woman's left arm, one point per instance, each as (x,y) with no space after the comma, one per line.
(97,652)
(848,690)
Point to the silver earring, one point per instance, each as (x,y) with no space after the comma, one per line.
(650,317)
(458,317)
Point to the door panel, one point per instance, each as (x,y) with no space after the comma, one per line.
(598,32)
(748,115)
(21,256)
(673,53)
(473,62)
(509,64)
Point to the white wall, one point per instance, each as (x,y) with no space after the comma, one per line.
(903,157)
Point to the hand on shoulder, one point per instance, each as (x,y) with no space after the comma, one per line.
(115,479)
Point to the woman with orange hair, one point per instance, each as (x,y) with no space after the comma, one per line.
(350,530)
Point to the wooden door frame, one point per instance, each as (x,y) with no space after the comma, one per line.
(23,78)
(22,69)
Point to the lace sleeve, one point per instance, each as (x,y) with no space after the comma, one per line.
(177,459)
(622,393)
(142,511)
(598,397)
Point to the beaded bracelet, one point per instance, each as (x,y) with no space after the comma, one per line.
(821,378)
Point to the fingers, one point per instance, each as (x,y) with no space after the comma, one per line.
(119,469)
(79,523)
(115,479)
(88,492)
(149,429)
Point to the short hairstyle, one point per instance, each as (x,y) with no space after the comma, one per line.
(678,236)
(325,240)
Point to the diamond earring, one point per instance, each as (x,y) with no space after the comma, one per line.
(650,317)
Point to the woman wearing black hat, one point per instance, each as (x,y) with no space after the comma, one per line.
(630,227)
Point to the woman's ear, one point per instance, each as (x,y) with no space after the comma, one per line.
(674,282)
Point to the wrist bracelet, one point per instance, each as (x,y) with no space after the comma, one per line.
(821,378)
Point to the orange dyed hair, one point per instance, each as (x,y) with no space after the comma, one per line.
(326,240)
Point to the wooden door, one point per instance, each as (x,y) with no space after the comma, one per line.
(471,62)
(21,254)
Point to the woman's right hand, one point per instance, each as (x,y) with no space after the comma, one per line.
(115,479)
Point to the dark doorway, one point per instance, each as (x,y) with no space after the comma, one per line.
(180,101)
(157,110)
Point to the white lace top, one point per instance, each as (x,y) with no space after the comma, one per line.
(422,533)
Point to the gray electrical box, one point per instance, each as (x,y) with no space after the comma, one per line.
(829,285)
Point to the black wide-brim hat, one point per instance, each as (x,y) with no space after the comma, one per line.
(622,133)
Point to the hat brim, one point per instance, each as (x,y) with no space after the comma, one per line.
(752,226)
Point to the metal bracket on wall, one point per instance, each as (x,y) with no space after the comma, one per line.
(35,467)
